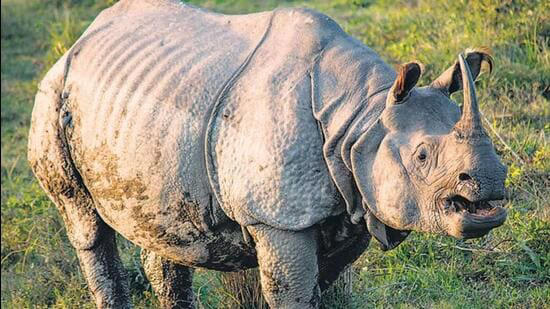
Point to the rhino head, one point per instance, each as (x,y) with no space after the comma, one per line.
(426,165)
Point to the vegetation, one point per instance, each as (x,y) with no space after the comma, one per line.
(508,268)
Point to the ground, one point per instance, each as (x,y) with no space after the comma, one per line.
(508,268)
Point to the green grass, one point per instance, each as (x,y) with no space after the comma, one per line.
(508,268)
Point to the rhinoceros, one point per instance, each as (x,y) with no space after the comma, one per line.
(271,140)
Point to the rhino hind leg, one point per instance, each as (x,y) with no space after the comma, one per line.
(105,273)
(50,159)
(93,240)
(171,282)
(288,267)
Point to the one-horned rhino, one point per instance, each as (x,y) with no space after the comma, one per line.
(272,139)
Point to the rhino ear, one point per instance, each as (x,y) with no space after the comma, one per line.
(451,80)
(408,76)
(388,237)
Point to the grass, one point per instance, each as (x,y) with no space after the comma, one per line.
(508,268)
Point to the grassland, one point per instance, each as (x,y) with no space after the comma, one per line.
(508,268)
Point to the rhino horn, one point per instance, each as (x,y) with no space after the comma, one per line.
(470,121)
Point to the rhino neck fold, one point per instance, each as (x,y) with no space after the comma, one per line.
(349,87)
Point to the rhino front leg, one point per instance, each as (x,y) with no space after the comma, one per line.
(171,282)
(288,266)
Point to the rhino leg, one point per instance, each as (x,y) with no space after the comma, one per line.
(343,243)
(105,273)
(333,264)
(288,266)
(49,157)
(93,240)
(171,282)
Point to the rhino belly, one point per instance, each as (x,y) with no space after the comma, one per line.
(138,95)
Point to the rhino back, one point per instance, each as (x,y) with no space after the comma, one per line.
(139,88)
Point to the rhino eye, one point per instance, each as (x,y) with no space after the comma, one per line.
(422,156)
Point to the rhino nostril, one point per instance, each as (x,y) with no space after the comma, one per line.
(464,177)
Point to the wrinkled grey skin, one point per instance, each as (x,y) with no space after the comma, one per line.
(272,139)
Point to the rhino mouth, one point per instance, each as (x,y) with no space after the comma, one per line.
(471,219)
